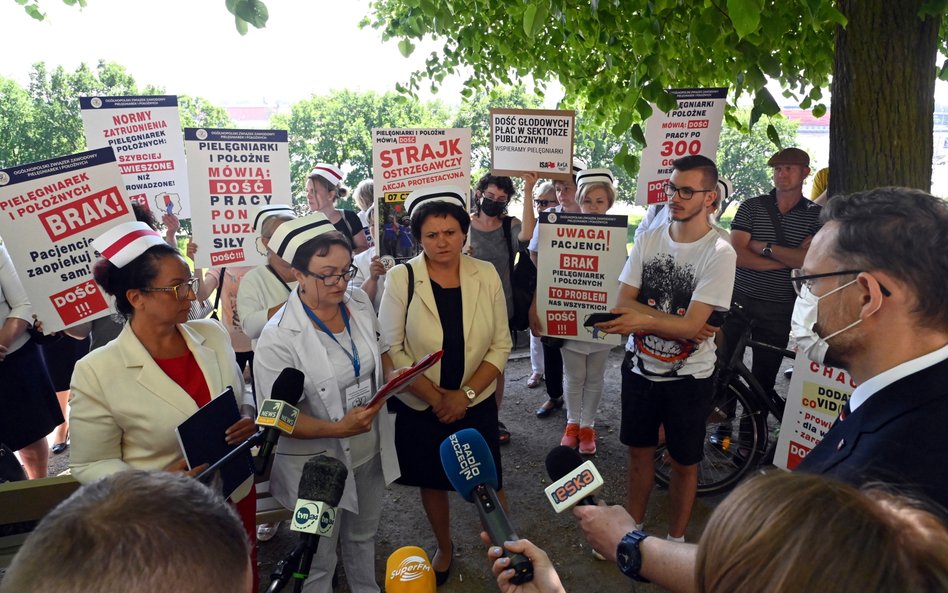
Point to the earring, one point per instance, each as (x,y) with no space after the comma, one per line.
(302,289)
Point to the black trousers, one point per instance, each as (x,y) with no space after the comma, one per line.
(553,371)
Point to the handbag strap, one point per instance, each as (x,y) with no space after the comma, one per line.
(411,289)
(771,208)
(510,254)
(220,288)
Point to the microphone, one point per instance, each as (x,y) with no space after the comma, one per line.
(278,414)
(321,486)
(470,468)
(409,571)
(573,480)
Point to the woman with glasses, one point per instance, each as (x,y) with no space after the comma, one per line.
(331,335)
(130,395)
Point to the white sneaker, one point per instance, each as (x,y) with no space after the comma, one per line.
(267,531)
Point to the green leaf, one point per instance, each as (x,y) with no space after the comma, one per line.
(231,6)
(253,11)
(241,25)
(405,46)
(34,11)
(943,74)
(529,17)
(819,110)
(836,16)
(638,135)
(745,14)
(774,136)
(764,101)
(21,2)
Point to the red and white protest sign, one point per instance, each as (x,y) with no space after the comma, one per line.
(694,127)
(406,159)
(49,213)
(579,260)
(231,173)
(817,394)
(145,133)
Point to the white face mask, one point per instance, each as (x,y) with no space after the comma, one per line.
(803,320)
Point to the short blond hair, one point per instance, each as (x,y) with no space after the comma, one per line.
(785,533)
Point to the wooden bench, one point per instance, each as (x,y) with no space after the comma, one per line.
(28,501)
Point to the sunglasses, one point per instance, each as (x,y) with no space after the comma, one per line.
(544,203)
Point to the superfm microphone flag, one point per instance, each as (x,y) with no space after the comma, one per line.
(409,571)
(468,463)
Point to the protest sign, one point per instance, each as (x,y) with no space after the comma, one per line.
(232,172)
(532,141)
(816,396)
(579,260)
(145,133)
(406,159)
(694,127)
(50,212)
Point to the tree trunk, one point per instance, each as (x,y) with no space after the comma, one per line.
(883,97)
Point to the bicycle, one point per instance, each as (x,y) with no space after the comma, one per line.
(738,434)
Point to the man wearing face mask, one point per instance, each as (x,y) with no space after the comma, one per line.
(873,289)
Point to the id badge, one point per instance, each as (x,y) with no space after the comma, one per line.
(358,395)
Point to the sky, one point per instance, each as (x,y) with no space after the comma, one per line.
(192,47)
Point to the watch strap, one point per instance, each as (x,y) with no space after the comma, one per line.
(629,557)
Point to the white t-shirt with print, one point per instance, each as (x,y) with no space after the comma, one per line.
(669,276)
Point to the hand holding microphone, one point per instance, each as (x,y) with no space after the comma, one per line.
(470,469)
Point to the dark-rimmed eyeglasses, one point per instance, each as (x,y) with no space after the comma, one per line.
(181,291)
(333,279)
(544,203)
(686,193)
(804,282)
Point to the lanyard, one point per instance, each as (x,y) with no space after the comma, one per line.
(354,356)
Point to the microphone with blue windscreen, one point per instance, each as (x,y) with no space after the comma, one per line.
(468,463)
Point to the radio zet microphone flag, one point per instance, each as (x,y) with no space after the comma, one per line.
(409,571)
(470,468)
(573,481)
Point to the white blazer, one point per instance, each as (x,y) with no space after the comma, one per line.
(289,340)
(484,307)
(124,409)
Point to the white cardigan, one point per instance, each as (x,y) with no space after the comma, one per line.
(290,340)
(124,409)
(484,308)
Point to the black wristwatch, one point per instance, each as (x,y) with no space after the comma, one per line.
(628,556)
(767,251)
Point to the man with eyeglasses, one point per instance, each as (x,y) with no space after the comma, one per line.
(771,234)
(675,277)
(872,300)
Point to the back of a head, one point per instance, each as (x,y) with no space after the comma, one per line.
(787,533)
(135,531)
(903,232)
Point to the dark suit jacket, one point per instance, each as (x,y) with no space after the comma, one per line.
(899,436)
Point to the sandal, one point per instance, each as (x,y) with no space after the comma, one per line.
(534,381)
(504,433)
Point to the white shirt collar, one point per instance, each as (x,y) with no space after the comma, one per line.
(865,390)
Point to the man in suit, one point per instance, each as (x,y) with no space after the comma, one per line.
(872,293)
(136,531)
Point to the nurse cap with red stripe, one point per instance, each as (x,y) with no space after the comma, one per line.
(330,173)
(290,236)
(122,243)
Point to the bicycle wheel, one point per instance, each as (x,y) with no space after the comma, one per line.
(735,439)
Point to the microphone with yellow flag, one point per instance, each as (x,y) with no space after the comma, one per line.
(408,570)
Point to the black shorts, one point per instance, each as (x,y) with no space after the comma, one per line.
(682,406)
